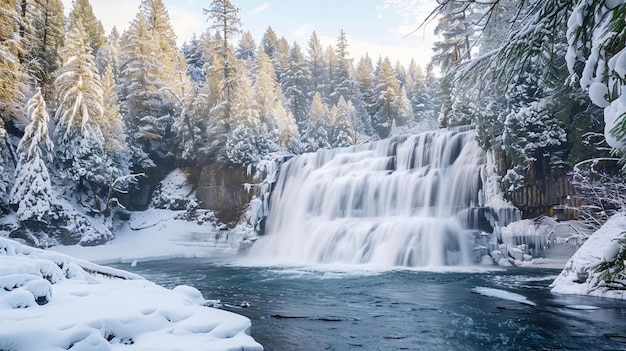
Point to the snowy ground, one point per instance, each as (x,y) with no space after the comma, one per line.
(50,301)
(577,277)
(157,234)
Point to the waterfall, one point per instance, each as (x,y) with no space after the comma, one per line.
(415,200)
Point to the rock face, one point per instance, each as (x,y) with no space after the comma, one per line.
(222,189)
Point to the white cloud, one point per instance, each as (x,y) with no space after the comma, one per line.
(264,6)
(302,30)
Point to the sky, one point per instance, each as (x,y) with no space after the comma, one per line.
(378,27)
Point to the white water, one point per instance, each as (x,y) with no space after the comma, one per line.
(404,201)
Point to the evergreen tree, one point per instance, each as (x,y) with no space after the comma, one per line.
(227,23)
(32,190)
(194,58)
(341,82)
(248,141)
(344,127)
(83,12)
(108,55)
(392,106)
(269,42)
(296,86)
(79,153)
(280,124)
(139,91)
(112,124)
(316,136)
(456,31)
(45,37)
(330,62)
(246,50)
(316,63)
(12,75)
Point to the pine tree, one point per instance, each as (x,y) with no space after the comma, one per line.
(316,63)
(456,32)
(227,23)
(45,37)
(79,153)
(248,141)
(112,124)
(316,135)
(280,124)
(246,50)
(83,12)
(269,42)
(109,54)
(139,86)
(194,58)
(341,83)
(296,86)
(12,75)
(32,190)
(392,106)
(344,127)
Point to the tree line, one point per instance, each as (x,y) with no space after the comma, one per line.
(81,108)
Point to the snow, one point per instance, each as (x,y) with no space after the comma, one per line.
(580,266)
(51,301)
(503,294)
(159,234)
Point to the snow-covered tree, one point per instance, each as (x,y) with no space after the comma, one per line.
(43,36)
(279,123)
(79,152)
(83,12)
(296,86)
(392,106)
(316,135)
(317,65)
(227,23)
(194,58)
(12,75)
(344,124)
(32,190)
(246,49)
(139,91)
(111,124)
(342,82)
(109,54)
(249,140)
(269,42)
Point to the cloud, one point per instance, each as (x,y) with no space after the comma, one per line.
(264,6)
(302,30)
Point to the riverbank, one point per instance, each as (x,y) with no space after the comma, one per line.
(51,301)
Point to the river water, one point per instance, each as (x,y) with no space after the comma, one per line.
(319,308)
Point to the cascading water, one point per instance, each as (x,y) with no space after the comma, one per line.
(405,201)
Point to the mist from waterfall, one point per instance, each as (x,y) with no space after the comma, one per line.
(415,201)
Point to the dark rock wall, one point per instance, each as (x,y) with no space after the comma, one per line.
(221,189)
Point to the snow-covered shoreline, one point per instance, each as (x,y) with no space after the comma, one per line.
(157,234)
(50,301)
(577,278)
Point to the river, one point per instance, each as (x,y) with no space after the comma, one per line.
(320,308)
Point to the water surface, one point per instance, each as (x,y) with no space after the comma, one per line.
(299,308)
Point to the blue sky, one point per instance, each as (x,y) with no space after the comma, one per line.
(374,26)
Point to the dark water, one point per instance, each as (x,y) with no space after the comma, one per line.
(309,309)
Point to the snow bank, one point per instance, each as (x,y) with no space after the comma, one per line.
(160,234)
(576,277)
(50,301)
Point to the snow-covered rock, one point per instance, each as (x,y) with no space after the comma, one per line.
(577,277)
(50,301)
